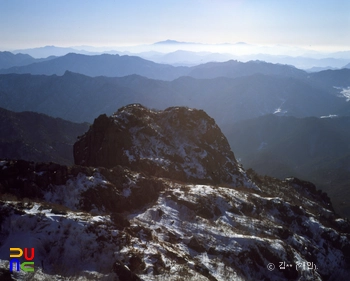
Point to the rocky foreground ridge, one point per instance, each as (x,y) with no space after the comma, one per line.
(158,195)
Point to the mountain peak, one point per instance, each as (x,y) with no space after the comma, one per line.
(173,42)
(242,43)
(179,143)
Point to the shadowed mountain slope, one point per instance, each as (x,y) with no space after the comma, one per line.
(37,137)
(80,98)
(316,149)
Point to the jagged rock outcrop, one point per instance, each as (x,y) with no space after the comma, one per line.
(178,143)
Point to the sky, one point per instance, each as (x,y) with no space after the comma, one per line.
(314,24)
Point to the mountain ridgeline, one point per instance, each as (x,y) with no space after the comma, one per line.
(80,98)
(8,60)
(118,66)
(158,195)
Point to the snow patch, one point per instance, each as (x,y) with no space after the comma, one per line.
(277,110)
(126,192)
(262,145)
(344,92)
(69,194)
(130,156)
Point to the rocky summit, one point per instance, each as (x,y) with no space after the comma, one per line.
(158,195)
(178,143)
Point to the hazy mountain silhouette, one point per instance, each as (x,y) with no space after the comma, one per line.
(237,69)
(102,65)
(318,69)
(8,59)
(172,42)
(47,51)
(190,58)
(300,58)
(186,58)
(118,66)
(301,62)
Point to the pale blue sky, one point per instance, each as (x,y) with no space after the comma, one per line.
(306,23)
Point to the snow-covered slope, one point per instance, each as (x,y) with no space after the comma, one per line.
(131,223)
(97,222)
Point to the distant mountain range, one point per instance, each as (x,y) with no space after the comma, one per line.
(191,53)
(161,66)
(80,98)
(48,51)
(118,66)
(347,66)
(173,42)
(37,137)
(190,58)
(8,59)
(233,69)
(102,65)
(315,149)
(186,58)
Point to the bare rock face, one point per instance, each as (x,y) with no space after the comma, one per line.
(178,143)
